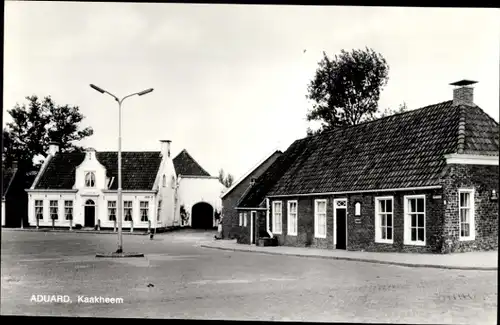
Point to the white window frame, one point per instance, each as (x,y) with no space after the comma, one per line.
(245,217)
(472,223)
(317,216)
(40,206)
(378,219)
(56,207)
(131,208)
(92,178)
(142,209)
(292,218)
(407,221)
(241,219)
(68,209)
(112,208)
(277,216)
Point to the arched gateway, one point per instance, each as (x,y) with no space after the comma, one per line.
(202,216)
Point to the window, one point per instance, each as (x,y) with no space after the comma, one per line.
(466,213)
(68,209)
(53,210)
(320,218)
(241,219)
(292,218)
(127,205)
(144,208)
(112,210)
(277,217)
(164,181)
(89,179)
(357,209)
(172,181)
(39,209)
(415,220)
(245,219)
(159,211)
(384,220)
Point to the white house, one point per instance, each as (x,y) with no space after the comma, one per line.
(158,191)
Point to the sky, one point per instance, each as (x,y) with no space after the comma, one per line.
(230,81)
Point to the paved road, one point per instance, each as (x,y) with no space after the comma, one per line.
(192,282)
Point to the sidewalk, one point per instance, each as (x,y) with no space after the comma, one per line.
(484,261)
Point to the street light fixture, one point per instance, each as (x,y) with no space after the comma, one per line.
(120,203)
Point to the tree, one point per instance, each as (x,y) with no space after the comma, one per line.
(226,180)
(389,111)
(345,90)
(35,124)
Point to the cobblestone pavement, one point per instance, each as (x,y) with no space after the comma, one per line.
(192,282)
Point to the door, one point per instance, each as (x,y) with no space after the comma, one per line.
(253,217)
(340,223)
(341,229)
(89,213)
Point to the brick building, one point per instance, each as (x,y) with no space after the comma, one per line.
(420,181)
(232,220)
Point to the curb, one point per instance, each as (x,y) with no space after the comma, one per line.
(355,259)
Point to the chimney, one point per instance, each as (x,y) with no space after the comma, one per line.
(463,94)
(53,148)
(165,148)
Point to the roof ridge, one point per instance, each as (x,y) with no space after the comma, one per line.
(379,119)
(461,130)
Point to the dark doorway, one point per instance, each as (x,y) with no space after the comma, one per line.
(89,213)
(253,227)
(341,229)
(202,216)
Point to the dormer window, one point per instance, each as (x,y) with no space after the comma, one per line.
(90,179)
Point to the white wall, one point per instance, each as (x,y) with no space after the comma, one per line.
(166,192)
(46,197)
(195,190)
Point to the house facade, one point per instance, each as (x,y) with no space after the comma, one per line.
(234,221)
(420,181)
(80,190)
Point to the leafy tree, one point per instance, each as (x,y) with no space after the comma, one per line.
(35,124)
(390,111)
(226,180)
(346,89)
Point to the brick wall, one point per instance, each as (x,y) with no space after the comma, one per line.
(230,223)
(361,236)
(482,179)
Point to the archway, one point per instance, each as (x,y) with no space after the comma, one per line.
(89,213)
(202,216)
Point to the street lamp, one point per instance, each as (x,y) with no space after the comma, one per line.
(119,207)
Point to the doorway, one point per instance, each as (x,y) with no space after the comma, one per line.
(89,213)
(202,216)
(340,223)
(253,221)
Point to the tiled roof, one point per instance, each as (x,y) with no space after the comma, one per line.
(184,164)
(7,176)
(481,133)
(139,169)
(398,151)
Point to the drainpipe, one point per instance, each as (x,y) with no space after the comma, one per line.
(267,219)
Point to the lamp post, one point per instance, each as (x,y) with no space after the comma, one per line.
(119,206)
